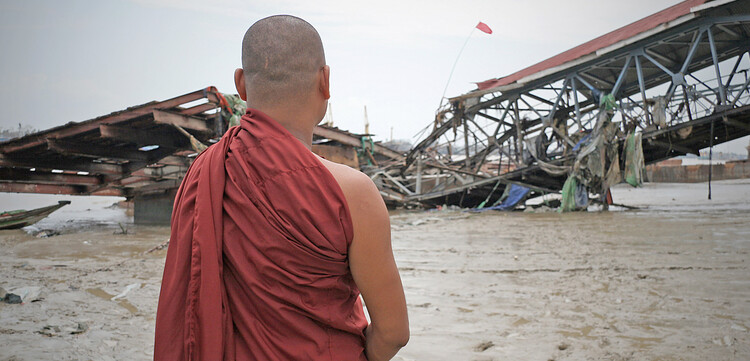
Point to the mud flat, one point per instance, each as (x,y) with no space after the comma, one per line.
(668,282)
(79,274)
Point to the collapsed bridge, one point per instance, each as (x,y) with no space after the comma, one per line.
(678,79)
(143,152)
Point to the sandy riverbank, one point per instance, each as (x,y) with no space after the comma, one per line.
(669,282)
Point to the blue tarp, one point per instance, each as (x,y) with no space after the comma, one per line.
(516,194)
(581,142)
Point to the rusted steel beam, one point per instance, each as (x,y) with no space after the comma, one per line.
(165,172)
(200,108)
(184,154)
(26,176)
(184,121)
(673,147)
(163,137)
(348,139)
(737,124)
(158,186)
(42,188)
(411,156)
(506,178)
(40,138)
(133,166)
(212,97)
(494,119)
(738,114)
(175,160)
(72,165)
(111,192)
(94,151)
(133,179)
(450,169)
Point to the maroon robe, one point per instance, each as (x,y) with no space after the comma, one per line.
(257,266)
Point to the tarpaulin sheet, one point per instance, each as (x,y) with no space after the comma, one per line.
(516,194)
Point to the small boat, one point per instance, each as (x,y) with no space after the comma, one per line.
(22,218)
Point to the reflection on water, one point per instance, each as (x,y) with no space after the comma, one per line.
(647,283)
(591,285)
(90,227)
(84,212)
(583,332)
(668,199)
(98,292)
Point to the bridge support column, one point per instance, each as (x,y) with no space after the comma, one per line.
(154,209)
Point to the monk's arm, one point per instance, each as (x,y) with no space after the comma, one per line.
(375,272)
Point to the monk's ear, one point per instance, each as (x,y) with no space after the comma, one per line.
(239,82)
(324,83)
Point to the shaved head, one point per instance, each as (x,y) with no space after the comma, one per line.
(281,56)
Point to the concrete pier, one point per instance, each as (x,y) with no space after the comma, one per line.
(154,209)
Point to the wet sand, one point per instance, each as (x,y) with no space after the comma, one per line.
(668,282)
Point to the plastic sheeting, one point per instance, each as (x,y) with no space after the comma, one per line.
(634,162)
(536,149)
(238,108)
(575,196)
(513,196)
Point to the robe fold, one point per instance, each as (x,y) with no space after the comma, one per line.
(257,265)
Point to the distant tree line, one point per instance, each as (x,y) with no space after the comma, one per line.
(15,132)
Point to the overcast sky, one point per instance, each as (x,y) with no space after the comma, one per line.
(67,61)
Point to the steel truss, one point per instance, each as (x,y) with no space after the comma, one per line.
(672,86)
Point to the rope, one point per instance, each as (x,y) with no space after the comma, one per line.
(481,205)
(197,145)
(223,103)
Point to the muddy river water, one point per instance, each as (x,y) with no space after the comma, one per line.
(667,282)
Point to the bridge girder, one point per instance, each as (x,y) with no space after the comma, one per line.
(525,132)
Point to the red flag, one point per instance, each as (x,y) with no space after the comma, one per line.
(483,27)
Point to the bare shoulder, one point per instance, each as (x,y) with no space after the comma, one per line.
(360,192)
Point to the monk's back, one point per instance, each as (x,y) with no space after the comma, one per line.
(286,291)
(266,259)
(286,236)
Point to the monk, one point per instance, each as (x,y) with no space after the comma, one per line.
(271,245)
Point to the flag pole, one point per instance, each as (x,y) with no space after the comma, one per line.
(454,68)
